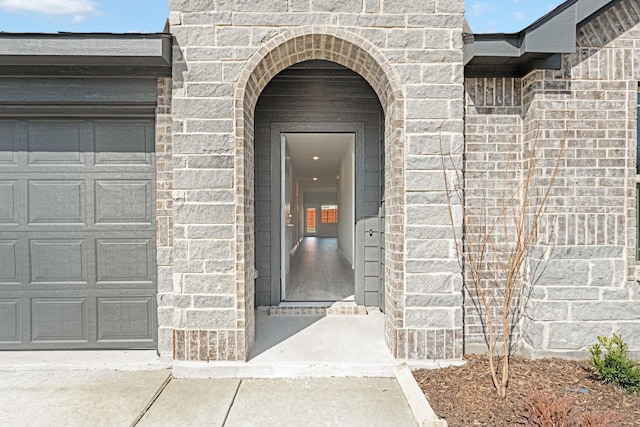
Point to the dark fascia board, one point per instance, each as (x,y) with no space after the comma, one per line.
(510,67)
(71,50)
(553,34)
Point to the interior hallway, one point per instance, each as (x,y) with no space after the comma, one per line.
(320,273)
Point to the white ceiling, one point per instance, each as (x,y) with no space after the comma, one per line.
(329,147)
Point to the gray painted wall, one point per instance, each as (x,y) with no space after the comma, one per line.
(320,92)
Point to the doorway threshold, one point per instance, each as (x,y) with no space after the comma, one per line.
(320,308)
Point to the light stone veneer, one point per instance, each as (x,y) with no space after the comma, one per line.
(225,53)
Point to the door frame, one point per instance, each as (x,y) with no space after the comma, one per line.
(280,128)
(285,175)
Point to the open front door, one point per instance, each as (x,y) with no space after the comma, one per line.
(286,216)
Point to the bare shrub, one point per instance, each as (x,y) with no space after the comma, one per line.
(600,419)
(500,227)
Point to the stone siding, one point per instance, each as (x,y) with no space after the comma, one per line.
(225,53)
(592,216)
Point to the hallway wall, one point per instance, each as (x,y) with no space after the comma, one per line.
(346,204)
(296,206)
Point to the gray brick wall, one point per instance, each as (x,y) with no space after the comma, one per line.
(164,217)
(583,274)
(493,162)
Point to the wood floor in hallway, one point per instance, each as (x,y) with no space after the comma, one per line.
(320,273)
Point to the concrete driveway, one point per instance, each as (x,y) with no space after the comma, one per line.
(153,398)
(76,398)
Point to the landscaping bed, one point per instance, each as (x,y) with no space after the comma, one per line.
(464,395)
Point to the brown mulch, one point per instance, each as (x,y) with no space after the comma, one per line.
(464,396)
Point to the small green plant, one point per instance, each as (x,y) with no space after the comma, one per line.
(616,366)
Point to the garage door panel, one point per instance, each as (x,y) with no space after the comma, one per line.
(9,262)
(118,286)
(58,260)
(56,143)
(9,202)
(59,319)
(124,143)
(127,260)
(10,327)
(125,318)
(123,201)
(8,144)
(56,201)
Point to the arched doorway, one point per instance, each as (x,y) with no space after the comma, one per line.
(355,54)
(319,188)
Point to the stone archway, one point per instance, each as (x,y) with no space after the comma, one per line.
(351,51)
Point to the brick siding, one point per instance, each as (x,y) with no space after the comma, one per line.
(583,273)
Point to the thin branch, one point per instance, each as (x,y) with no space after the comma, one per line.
(496,267)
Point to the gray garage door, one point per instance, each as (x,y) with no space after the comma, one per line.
(77,233)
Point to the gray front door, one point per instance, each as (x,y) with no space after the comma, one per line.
(77,233)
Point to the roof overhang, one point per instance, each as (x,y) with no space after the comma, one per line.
(539,46)
(85,54)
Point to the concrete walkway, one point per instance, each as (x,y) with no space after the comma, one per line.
(317,346)
(76,398)
(302,371)
(153,398)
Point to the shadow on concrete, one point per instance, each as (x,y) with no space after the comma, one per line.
(321,345)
